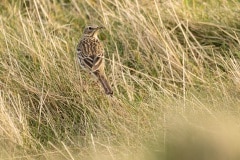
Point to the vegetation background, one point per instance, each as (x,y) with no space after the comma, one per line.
(173,65)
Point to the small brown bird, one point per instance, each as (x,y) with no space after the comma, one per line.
(90,53)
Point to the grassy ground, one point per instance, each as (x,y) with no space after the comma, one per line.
(173,65)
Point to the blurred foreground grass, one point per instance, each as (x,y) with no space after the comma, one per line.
(173,65)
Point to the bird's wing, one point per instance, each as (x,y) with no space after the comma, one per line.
(90,54)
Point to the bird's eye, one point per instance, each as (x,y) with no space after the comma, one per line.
(90,28)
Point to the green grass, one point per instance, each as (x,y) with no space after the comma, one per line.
(173,65)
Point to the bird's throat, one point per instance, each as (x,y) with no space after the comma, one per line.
(95,34)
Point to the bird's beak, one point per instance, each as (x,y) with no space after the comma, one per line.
(101,27)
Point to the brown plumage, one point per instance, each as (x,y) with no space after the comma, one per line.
(90,53)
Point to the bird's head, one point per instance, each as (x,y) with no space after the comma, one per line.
(92,31)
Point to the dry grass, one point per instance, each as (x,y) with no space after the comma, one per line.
(173,65)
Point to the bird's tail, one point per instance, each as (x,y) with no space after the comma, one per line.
(103,80)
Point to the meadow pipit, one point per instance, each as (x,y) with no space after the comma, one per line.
(90,53)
